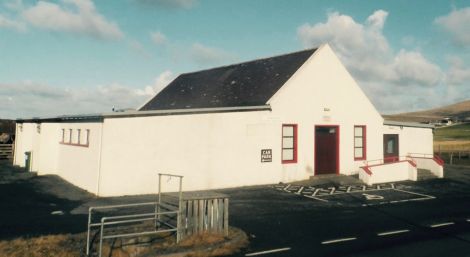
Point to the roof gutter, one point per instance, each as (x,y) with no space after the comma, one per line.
(129,114)
(407,124)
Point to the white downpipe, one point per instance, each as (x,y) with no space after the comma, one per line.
(98,179)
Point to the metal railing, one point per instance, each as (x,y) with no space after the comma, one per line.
(388,160)
(161,210)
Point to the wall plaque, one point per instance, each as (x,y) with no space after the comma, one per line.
(266,155)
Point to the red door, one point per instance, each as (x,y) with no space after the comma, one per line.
(391,153)
(326,149)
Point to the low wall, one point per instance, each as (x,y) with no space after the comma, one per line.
(389,172)
(430,164)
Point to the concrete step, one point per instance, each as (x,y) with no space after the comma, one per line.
(424,174)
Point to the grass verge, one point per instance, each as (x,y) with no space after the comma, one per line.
(73,245)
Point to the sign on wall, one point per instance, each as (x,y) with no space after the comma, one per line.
(266,155)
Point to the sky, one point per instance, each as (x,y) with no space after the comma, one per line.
(82,56)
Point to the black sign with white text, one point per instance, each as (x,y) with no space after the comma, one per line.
(266,155)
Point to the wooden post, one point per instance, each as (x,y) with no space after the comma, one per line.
(226,216)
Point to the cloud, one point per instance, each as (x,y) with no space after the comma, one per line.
(29,99)
(73,16)
(380,70)
(159,84)
(206,55)
(11,24)
(456,24)
(458,74)
(172,4)
(158,38)
(412,67)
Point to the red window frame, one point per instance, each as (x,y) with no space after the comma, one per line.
(294,149)
(364,141)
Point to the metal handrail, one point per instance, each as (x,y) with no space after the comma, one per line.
(133,218)
(382,161)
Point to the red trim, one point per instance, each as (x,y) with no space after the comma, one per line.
(369,171)
(364,142)
(294,160)
(435,158)
(438,160)
(337,146)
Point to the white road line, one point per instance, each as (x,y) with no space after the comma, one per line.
(316,198)
(268,251)
(468,220)
(332,190)
(315,192)
(413,193)
(442,224)
(339,240)
(393,232)
(300,190)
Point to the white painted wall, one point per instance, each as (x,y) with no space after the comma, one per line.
(24,142)
(323,82)
(391,172)
(47,151)
(411,139)
(209,150)
(430,164)
(78,164)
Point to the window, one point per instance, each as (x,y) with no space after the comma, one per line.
(359,143)
(69,137)
(87,142)
(289,143)
(78,136)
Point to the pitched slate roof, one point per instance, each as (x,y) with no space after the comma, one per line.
(250,83)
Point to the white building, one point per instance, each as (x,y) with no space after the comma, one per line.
(278,119)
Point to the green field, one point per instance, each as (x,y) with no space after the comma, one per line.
(459,132)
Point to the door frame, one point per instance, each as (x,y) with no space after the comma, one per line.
(315,146)
(397,147)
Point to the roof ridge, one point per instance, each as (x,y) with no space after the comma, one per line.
(249,61)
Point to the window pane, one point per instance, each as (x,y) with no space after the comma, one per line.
(287,154)
(288,142)
(358,131)
(358,152)
(390,145)
(79,136)
(358,142)
(288,131)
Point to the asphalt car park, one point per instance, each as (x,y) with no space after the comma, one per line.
(327,218)
(363,195)
(424,218)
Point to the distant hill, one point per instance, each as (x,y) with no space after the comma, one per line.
(460,111)
(7,126)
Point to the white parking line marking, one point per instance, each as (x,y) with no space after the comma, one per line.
(316,198)
(393,232)
(413,193)
(300,190)
(268,251)
(442,224)
(338,240)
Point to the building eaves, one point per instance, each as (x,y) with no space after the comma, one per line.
(407,124)
(130,114)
